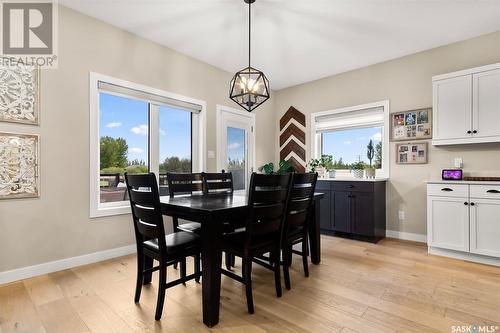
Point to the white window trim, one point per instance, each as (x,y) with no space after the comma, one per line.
(198,135)
(218,130)
(315,138)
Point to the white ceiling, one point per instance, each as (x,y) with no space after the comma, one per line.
(296,41)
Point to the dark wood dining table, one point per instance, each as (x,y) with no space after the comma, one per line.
(211,211)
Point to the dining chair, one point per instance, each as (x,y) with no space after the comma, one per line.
(217,182)
(267,201)
(153,243)
(297,216)
(222,183)
(182,184)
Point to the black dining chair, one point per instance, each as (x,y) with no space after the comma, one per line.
(297,216)
(153,243)
(222,183)
(182,184)
(263,229)
(217,183)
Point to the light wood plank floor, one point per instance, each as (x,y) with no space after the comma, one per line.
(359,287)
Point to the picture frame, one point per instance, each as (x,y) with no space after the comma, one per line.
(20,96)
(411,153)
(411,125)
(19,165)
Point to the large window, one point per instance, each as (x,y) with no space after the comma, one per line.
(137,129)
(346,135)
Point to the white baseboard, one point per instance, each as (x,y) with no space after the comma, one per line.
(406,236)
(464,256)
(58,265)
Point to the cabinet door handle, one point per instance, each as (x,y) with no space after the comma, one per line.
(472,204)
(447,189)
(466,203)
(493,191)
(469,132)
(474,131)
(350,186)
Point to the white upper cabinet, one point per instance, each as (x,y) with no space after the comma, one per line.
(486,105)
(453,102)
(466,106)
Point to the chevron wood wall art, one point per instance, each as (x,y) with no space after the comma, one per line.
(293,138)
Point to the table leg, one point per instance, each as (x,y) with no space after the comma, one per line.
(314,235)
(211,256)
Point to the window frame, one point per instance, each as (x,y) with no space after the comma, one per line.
(198,142)
(316,138)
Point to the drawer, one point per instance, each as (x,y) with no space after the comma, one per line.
(485,191)
(323,185)
(448,190)
(352,186)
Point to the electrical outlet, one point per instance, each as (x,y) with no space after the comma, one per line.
(458,162)
(401,215)
(211,154)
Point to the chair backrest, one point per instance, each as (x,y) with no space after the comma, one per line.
(146,210)
(267,200)
(184,183)
(217,182)
(300,200)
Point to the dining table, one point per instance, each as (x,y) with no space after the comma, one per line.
(212,211)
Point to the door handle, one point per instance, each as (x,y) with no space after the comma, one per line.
(466,203)
(493,191)
(447,189)
(472,204)
(469,132)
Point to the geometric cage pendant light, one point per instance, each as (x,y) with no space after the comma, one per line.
(249,86)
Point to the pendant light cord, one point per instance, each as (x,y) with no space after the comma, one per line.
(249,32)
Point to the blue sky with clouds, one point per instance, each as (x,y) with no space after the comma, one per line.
(236,143)
(350,144)
(128,119)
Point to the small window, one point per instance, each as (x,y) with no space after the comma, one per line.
(345,134)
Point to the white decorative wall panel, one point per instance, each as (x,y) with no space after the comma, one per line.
(18,166)
(19,93)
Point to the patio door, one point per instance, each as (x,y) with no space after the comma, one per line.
(236,141)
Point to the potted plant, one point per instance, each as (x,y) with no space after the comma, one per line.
(320,165)
(283,167)
(358,169)
(370,153)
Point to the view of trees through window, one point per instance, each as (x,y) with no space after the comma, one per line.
(124,142)
(349,147)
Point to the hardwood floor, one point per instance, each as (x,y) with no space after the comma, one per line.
(359,287)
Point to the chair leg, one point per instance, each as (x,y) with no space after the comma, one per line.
(277,271)
(228,260)
(247,275)
(148,262)
(161,292)
(304,256)
(140,273)
(183,269)
(289,248)
(286,270)
(197,267)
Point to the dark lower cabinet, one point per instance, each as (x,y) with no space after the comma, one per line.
(340,209)
(355,209)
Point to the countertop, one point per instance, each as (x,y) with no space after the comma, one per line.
(464,182)
(349,179)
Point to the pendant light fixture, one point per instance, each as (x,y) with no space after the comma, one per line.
(249,86)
